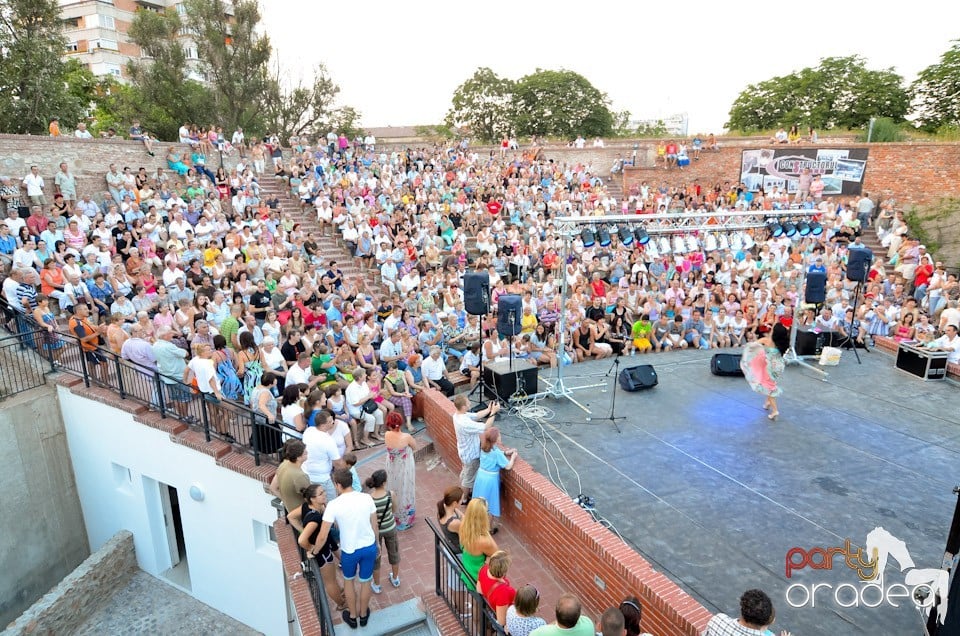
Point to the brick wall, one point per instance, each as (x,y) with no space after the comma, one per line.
(573,544)
(82,592)
(306,611)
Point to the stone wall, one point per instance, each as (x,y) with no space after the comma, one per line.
(82,592)
(593,563)
(89,159)
(42,533)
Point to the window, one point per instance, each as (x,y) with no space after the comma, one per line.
(113,69)
(72,47)
(108,44)
(96,20)
(181,8)
(191,53)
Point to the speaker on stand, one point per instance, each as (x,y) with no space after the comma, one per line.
(476,301)
(859,261)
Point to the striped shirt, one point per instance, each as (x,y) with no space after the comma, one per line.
(28,292)
(385,513)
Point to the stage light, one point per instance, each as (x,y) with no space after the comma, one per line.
(816,229)
(803,227)
(588,237)
(789,229)
(775,229)
(641,236)
(603,235)
(626,236)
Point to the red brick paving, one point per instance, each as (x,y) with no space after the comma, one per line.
(416,544)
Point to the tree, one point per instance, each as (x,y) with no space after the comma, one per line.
(483,104)
(839,93)
(235,58)
(936,92)
(307,109)
(561,104)
(162,93)
(32,74)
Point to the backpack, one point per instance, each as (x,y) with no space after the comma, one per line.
(230,384)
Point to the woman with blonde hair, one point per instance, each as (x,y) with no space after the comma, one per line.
(476,542)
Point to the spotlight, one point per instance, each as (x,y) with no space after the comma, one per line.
(588,237)
(803,227)
(626,236)
(816,229)
(603,235)
(775,229)
(641,236)
(789,228)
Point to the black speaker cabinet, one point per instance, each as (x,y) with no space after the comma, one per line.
(816,292)
(500,382)
(509,314)
(811,343)
(637,378)
(859,260)
(476,293)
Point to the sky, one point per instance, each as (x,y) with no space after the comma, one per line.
(399,63)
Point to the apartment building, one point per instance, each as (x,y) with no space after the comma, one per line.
(96,32)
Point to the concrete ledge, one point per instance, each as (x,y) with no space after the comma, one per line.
(82,592)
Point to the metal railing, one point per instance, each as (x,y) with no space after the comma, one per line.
(311,572)
(458,590)
(233,422)
(22,368)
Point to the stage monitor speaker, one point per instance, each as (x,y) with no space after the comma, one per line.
(509,313)
(500,382)
(859,260)
(810,342)
(637,378)
(726,364)
(476,293)
(816,292)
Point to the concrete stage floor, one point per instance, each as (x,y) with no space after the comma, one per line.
(714,495)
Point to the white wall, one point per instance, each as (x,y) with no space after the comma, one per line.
(233,568)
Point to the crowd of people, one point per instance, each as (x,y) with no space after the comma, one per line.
(202,276)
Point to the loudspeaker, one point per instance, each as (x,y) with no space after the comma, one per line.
(859,260)
(509,313)
(816,292)
(637,378)
(476,293)
(726,364)
(810,342)
(501,383)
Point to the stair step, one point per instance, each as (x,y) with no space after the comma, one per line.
(401,618)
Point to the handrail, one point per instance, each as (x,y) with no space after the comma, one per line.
(232,422)
(22,370)
(457,588)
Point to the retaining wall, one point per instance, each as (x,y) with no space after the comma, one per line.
(82,592)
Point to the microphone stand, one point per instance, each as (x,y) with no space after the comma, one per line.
(612,418)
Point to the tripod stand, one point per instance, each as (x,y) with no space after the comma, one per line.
(851,337)
(612,418)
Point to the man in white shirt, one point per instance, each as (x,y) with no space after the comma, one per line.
(33,182)
(114,183)
(81,132)
(950,342)
(322,454)
(391,350)
(826,321)
(356,395)
(301,373)
(355,514)
(435,372)
(468,428)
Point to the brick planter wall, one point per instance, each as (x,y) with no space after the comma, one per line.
(573,544)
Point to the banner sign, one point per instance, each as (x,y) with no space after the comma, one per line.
(841,169)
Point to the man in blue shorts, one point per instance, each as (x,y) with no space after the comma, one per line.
(356,516)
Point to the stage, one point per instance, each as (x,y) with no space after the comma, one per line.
(715,495)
